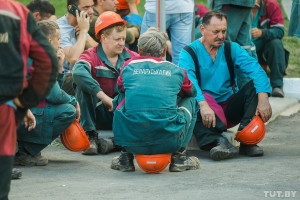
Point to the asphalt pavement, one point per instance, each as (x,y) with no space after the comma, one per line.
(71,175)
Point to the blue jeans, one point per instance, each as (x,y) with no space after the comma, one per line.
(180,26)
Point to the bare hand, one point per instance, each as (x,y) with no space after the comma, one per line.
(263,109)
(77,111)
(83,21)
(106,100)
(256,33)
(207,114)
(61,58)
(29,120)
(77,31)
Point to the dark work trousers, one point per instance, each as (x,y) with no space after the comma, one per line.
(240,108)
(67,85)
(94,114)
(8,139)
(274,55)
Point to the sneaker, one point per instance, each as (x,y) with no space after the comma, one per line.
(277,92)
(124,162)
(223,150)
(105,145)
(181,162)
(16,173)
(93,138)
(251,150)
(25,159)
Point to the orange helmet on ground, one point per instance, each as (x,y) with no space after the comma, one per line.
(253,133)
(106,19)
(74,137)
(153,164)
(123,4)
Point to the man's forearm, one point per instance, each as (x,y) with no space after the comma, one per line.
(101,95)
(74,52)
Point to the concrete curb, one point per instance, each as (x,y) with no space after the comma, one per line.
(291,87)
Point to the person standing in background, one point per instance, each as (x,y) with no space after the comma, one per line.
(179,21)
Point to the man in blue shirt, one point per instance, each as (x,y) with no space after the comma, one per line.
(222,103)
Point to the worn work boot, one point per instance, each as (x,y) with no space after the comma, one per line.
(16,173)
(181,162)
(25,159)
(277,92)
(124,162)
(105,145)
(251,150)
(93,138)
(223,150)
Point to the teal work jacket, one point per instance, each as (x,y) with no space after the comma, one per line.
(148,115)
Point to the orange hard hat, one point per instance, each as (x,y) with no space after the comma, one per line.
(123,4)
(106,19)
(74,137)
(253,133)
(153,164)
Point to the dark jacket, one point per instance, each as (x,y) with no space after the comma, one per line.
(20,39)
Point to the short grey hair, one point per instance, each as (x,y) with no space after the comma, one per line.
(153,42)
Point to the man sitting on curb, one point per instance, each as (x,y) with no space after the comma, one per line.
(53,115)
(95,76)
(267,32)
(222,103)
(156,111)
(132,31)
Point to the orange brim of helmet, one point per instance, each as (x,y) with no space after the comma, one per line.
(253,133)
(153,164)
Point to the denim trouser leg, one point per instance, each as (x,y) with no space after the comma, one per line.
(181,33)
(180,26)
(149,20)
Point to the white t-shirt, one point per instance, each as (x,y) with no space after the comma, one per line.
(172,6)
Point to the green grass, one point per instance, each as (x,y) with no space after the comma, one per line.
(292,44)
(60,6)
